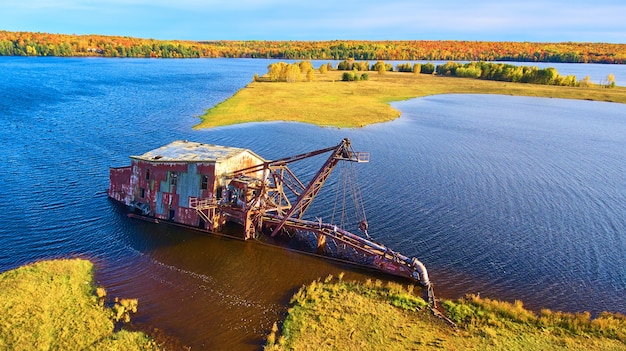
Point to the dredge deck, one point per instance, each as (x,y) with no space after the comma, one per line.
(206,186)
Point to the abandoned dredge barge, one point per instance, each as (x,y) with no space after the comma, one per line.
(207,186)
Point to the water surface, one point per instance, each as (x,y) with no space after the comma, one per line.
(509,197)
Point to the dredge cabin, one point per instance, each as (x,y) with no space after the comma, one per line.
(176,181)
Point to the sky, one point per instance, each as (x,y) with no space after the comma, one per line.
(484,20)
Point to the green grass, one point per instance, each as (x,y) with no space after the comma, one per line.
(328,101)
(338,315)
(52,305)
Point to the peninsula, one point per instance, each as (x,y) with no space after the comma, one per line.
(328,101)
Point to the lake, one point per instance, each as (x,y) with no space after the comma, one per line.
(510,197)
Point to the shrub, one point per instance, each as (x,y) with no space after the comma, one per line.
(346,65)
(354,76)
(468,72)
(417,68)
(284,72)
(610,81)
(123,308)
(586,82)
(427,68)
(447,69)
(347,77)
(305,66)
(404,67)
(310,75)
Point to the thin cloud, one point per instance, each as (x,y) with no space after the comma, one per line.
(575,20)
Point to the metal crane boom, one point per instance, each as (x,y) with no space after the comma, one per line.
(341,152)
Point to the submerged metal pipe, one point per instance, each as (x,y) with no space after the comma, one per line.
(421,270)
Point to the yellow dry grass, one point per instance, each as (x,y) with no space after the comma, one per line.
(336,315)
(51,305)
(328,101)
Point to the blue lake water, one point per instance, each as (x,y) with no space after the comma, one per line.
(509,197)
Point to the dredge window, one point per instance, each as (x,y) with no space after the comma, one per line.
(173,178)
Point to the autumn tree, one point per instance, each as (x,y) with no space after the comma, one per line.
(45,44)
(310,75)
(274,71)
(546,76)
(428,68)
(417,68)
(404,67)
(346,65)
(284,72)
(305,66)
(362,65)
(610,81)
(380,67)
(292,73)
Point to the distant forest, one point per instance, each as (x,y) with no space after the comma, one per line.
(44,44)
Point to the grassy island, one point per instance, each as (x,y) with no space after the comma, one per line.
(54,305)
(329,101)
(338,315)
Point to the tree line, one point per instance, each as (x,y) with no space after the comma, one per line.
(513,73)
(304,71)
(45,44)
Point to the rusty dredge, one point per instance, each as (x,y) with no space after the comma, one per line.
(211,187)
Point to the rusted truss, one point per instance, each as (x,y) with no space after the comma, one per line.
(270,193)
(277,201)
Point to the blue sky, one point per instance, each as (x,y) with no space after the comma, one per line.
(501,20)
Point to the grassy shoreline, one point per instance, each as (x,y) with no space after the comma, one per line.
(339,315)
(54,305)
(330,102)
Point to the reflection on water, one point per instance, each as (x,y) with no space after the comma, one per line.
(212,291)
(512,197)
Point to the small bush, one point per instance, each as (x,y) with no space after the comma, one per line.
(354,76)
(404,67)
(417,68)
(427,68)
(123,308)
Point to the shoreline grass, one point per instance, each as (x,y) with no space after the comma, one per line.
(330,102)
(338,315)
(54,305)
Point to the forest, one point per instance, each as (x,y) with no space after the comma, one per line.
(46,44)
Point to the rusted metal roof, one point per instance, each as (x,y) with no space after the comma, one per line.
(188,151)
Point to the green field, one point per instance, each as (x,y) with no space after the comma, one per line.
(54,305)
(338,315)
(328,101)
